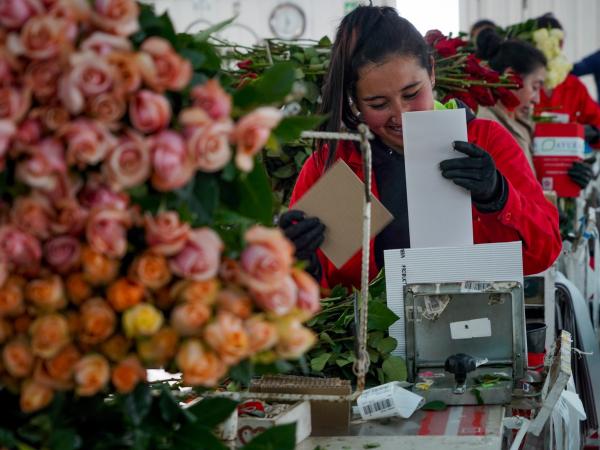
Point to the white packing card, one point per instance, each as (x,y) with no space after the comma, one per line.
(439,212)
(469,329)
(500,261)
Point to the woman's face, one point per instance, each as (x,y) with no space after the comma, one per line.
(386,90)
(529,94)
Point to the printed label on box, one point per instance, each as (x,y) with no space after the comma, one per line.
(469,329)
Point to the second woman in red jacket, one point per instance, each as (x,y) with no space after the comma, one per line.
(380,68)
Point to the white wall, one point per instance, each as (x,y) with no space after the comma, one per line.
(580,20)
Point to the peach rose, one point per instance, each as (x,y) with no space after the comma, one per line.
(279,301)
(151,270)
(44,165)
(106,231)
(130,75)
(309,295)
(63,253)
(165,233)
(251,133)
(213,99)
(52,116)
(124,294)
(47,293)
(227,337)
(11,298)
(267,259)
(189,317)
(6,330)
(14,103)
(209,146)
(142,320)
(262,334)
(149,112)
(33,214)
(159,348)
(22,250)
(98,269)
(199,260)
(128,164)
(196,291)
(62,365)
(49,334)
(294,339)
(42,37)
(92,373)
(162,68)
(229,271)
(108,107)
(116,347)
(70,217)
(18,358)
(97,321)
(88,142)
(42,77)
(105,43)
(171,163)
(14,13)
(119,17)
(235,301)
(40,375)
(34,396)
(200,367)
(78,289)
(127,374)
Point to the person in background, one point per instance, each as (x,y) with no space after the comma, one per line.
(529,63)
(478,27)
(381,67)
(590,65)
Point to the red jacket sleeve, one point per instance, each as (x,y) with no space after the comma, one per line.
(527,215)
(588,111)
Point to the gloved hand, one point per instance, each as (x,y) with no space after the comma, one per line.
(477,173)
(592,134)
(581,174)
(307,235)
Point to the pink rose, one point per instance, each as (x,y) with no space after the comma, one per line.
(130,74)
(116,16)
(88,142)
(70,217)
(106,231)
(165,233)
(63,253)
(28,133)
(7,131)
(14,103)
(213,99)
(105,43)
(199,260)
(44,165)
(251,134)
(171,164)
(149,112)
(162,68)
(14,13)
(128,164)
(267,259)
(209,146)
(22,250)
(309,296)
(108,107)
(228,338)
(42,37)
(97,195)
(279,301)
(33,215)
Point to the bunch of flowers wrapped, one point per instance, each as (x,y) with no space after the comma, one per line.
(460,74)
(94,286)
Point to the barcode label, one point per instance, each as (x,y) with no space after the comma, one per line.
(474,286)
(382,405)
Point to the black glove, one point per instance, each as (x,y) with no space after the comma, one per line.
(581,174)
(307,235)
(478,174)
(592,134)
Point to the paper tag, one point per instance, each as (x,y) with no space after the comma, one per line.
(469,329)
(474,286)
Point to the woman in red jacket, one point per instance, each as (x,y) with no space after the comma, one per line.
(380,68)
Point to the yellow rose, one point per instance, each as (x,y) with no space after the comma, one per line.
(142,320)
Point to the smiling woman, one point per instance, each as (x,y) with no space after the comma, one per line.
(380,68)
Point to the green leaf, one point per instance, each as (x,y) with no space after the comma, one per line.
(136,405)
(205,34)
(312,91)
(290,128)
(212,411)
(271,87)
(168,405)
(153,25)
(7,438)
(387,345)
(281,437)
(254,197)
(193,436)
(195,57)
(318,364)
(284,171)
(380,316)
(394,368)
(242,372)
(325,42)
(64,439)
(324,336)
(436,405)
(199,198)
(374,338)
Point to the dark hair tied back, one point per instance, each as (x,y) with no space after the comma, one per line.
(488,43)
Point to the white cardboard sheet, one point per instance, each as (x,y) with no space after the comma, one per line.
(484,262)
(439,212)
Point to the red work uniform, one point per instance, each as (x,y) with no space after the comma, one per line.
(527,216)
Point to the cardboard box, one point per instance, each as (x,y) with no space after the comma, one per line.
(555,147)
(299,413)
(328,418)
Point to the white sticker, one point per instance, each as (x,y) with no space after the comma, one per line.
(469,329)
